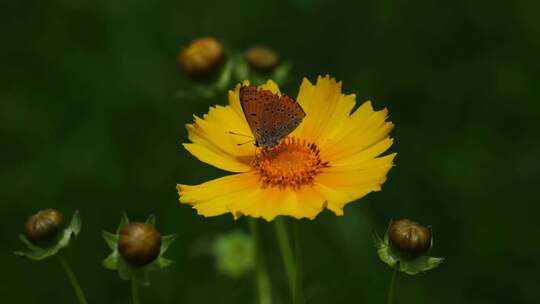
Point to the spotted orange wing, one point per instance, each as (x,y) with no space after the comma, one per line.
(270,117)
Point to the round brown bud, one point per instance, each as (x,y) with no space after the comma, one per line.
(44,226)
(201,58)
(139,244)
(409,238)
(261,58)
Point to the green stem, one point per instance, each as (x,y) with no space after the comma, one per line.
(135,290)
(262,282)
(72,279)
(391,288)
(298,288)
(286,250)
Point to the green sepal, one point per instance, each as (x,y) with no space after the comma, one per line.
(407,265)
(166,241)
(419,264)
(224,78)
(241,68)
(124,221)
(37,253)
(162,262)
(29,244)
(124,269)
(151,220)
(76,223)
(110,238)
(111,262)
(281,72)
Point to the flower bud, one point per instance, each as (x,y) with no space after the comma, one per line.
(44,226)
(409,238)
(201,58)
(261,58)
(139,244)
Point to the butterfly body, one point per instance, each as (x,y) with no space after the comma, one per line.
(270,117)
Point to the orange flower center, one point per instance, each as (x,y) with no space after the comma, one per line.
(292,163)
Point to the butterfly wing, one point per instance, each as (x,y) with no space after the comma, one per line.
(270,117)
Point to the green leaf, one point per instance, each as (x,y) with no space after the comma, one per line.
(151,220)
(124,221)
(110,238)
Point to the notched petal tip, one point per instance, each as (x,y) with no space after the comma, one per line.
(271,86)
(237,87)
(181,189)
(328,79)
(305,81)
(338,211)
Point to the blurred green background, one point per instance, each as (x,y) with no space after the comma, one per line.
(89,120)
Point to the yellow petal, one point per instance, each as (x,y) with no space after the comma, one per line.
(342,157)
(326,109)
(241,194)
(212,142)
(234,99)
(268,203)
(353,123)
(337,198)
(341,187)
(360,162)
(216,159)
(211,198)
(364,129)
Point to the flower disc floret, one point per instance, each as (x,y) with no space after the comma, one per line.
(291,164)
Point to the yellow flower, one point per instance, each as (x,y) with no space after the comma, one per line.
(331,159)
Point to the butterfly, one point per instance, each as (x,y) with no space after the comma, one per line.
(270,117)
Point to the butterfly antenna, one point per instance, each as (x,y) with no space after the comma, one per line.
(247,142)
(239,134)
